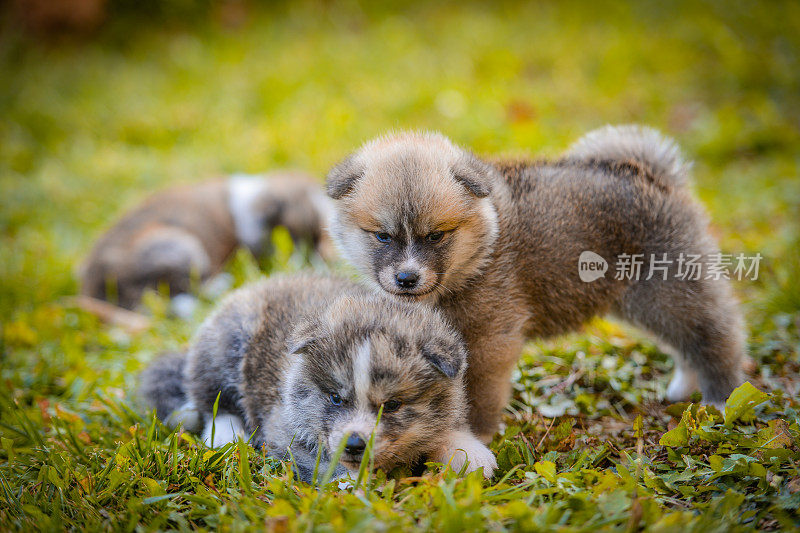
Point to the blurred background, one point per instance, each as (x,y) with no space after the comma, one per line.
(105,101)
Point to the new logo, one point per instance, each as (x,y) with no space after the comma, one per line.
(591,266)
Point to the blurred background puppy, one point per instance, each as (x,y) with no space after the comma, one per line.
(184,235)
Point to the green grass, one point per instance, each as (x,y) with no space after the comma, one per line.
(90,126)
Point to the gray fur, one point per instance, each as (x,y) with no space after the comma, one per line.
(274,352)
(161,384)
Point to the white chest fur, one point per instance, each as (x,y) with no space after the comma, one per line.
(243,192)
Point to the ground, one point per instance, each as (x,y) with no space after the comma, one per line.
(91,123)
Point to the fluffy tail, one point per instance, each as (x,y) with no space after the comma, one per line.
(162,388)
(644,145)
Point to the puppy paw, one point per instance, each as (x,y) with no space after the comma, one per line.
(187,416)
(463,448)
(682,385)
(226,428)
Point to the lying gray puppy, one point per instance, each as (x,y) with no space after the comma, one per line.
(306,361)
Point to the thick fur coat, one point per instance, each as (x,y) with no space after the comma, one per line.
(495,245)
(304,362)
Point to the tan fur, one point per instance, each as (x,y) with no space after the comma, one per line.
(185,234)
(508,270)
(193,216)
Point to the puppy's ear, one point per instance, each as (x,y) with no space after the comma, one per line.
(297,346)
(447,357)
(474,174)
(303,336)
(343,177)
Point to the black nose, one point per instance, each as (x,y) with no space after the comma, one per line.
(355,445)
(406,280)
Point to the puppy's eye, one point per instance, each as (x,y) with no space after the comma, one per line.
(436,236)
(336,399)
(391,405)
(383,237)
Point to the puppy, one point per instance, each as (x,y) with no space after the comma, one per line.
(307,361)
(496,247)
(185,234)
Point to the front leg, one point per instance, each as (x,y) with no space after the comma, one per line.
(492,359)
(461,447)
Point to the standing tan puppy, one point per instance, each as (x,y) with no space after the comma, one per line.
(186,233)
(496,246)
